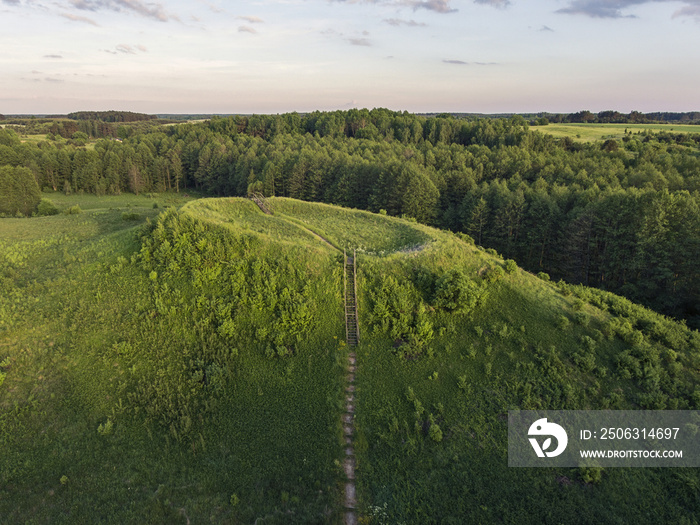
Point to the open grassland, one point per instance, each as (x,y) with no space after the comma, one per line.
(594,132)
(190,368)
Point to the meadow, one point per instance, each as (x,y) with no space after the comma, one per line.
(185,363)
(595,132)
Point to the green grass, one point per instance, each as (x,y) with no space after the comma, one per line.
(354,229)
(189,366)
(89,332)
(511,352)
(594,132)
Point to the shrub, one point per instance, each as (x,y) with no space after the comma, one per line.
(544,276)
(435,433)
(131,216)
(510,266)
(563,322)
(73,210)
(455,292)
(591,475)
(46,207)
(493,274)
(582,319)
(585,361)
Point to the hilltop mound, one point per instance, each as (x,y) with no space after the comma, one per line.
(194,368)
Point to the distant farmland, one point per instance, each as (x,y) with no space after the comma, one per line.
(593,132)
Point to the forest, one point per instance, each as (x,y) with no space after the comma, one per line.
(621,215)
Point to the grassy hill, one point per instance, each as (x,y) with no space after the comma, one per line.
(189,367)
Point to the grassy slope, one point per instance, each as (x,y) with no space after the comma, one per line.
(87,330)
(523,347)
(77,319)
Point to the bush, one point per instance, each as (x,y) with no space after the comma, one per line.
(435,433)
(592,475)
(582,319)
(455,292)
(46,207)
(511,266)
(544,276)
(131,216)
(493,274)
(73,210)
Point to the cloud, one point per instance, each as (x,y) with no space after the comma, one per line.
(397,22)
(55,80)
(614,8)
(149,10)
(76,18)
(438,6)
(252,19)
(600,8)
(126,49)
(463,63)
(246,29)
(10,2)
(360,42)
(691,10)
(546,29)
(494,3)
(53,56)
(214,8)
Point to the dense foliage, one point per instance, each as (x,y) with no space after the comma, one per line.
(634,117)
(19,192)
(110,116)
(621,215)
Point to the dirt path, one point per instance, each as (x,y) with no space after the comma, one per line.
(349,431)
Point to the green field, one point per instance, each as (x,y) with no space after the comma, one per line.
(185,364)
(593,132)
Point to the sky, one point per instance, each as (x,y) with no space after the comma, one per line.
(276,56)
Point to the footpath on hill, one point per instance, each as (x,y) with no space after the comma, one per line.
(352,339)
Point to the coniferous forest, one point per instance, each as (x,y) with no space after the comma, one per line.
(618,214)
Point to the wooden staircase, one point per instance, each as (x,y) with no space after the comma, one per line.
(352,329)
(259,199)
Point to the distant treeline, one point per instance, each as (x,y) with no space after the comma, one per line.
(110,116)
(95,129)
(620,215)
(615,117)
